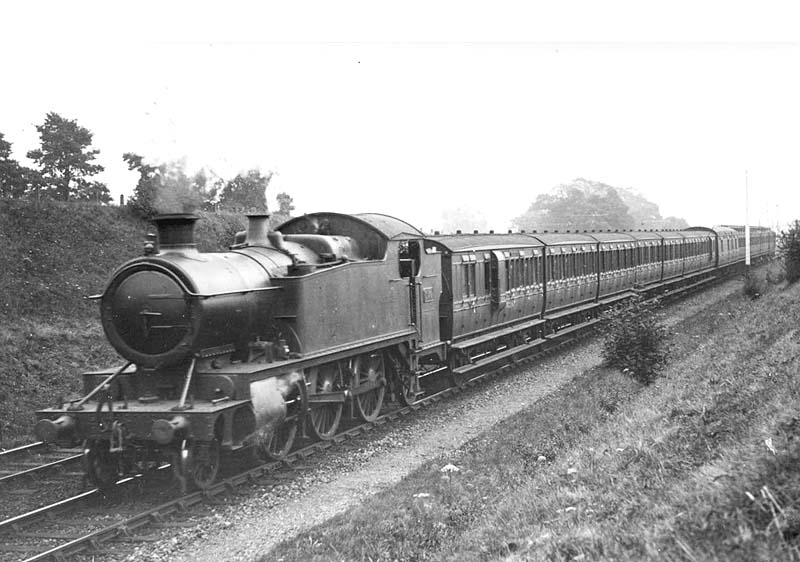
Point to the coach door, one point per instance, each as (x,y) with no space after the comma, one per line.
(429,289)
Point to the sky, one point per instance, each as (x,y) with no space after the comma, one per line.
(428,110)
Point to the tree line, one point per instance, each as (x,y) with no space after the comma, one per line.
(589,205)
(65,170)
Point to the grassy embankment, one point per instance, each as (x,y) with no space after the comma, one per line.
(702,465)
(51,257)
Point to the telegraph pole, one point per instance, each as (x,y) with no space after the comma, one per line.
(746,226)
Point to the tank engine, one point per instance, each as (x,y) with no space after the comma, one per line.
(213,344)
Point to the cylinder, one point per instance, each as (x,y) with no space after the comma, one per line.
(269,398)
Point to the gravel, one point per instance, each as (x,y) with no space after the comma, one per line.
(249,527)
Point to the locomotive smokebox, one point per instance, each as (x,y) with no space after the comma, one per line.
(159,309)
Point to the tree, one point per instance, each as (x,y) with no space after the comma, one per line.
(66,160)
(645,213)
(285,208)
(15,180)
(167,188)
(246,192)
(146,191)
(579,205)
(789,251)
(207,189)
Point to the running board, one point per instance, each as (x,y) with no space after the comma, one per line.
(509,353)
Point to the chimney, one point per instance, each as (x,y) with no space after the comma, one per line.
(257,229)
(176,233)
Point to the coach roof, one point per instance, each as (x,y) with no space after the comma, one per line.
(484,242)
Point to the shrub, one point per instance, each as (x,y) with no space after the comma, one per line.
(776,274)
(753,287)
(789,251)
(635,341)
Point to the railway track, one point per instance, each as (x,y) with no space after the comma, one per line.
(33,460)
(83,524)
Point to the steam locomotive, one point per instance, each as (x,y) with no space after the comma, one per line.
(291,329)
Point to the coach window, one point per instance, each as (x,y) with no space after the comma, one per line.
(469,269)
(487,273)
(526,271)
(473,285)
(511,270)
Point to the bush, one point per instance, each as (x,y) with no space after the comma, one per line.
(635,341)
(789,251)
(753,287)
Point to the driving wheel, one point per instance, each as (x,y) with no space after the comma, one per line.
(368,369)
(325,416)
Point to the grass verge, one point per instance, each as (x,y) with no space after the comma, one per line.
(701,465)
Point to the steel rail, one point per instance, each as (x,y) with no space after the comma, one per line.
(24,517)
(21,448)
(40,468)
